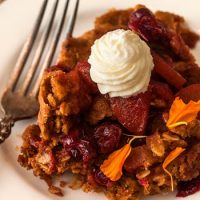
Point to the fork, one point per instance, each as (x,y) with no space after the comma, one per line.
(19,103)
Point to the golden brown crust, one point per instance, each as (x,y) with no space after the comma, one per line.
(61,97)
(178,23)
(74,50)
(99,109)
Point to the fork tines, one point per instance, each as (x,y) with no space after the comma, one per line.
(43,42)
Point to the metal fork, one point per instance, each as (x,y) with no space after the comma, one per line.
(20,103)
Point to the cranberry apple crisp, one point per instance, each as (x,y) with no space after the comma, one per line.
(143,144)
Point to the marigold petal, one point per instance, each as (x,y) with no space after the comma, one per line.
(172,155)
(181,113)
(112,167)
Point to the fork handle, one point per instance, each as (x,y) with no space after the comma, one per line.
(6,123)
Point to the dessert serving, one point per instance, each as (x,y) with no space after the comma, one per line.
(121,109)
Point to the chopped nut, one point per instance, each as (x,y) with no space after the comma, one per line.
(143,174)
(155,144)
(170,136)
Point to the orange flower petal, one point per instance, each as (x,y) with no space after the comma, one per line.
(112,167)
(172,155)
(181,113)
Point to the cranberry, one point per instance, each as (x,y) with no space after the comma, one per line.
(143,182)
(161,90)
(35,141)
(79,149)
(70,139)
(86,149)
(101,179)
(69,143)
(107,136)
(145,24)
(75,153)
(188,188)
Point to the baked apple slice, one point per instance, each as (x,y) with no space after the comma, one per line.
(191,92)
(167,72)
(132,112)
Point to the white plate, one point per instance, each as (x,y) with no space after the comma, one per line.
(16,19)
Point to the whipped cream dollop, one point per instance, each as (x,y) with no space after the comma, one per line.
(121,63)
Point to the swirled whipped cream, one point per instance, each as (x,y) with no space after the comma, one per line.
(121,63)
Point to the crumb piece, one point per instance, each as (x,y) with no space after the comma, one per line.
(76,183)
(55,190)
(63,184)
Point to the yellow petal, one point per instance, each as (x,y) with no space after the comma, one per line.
(181,113)
(172,155)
